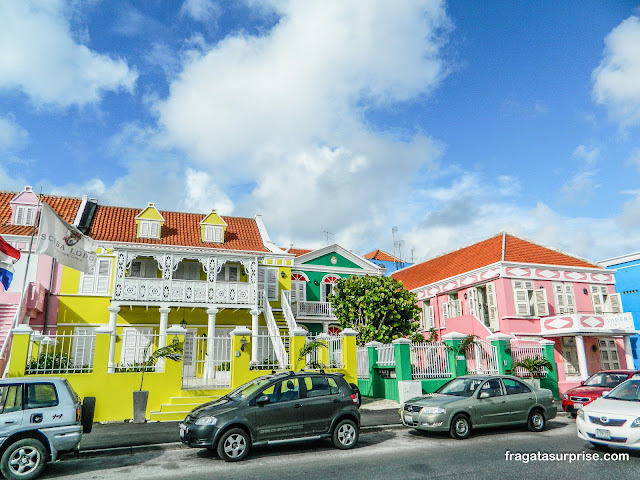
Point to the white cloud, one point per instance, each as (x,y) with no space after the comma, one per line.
(616,81)
(202,194)
(580,188)
(40,57)
(12,135)
(588,153)
(200,10)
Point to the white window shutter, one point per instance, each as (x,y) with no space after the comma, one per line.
(19,215)
(261,283)
(29,220)
(472,303)
(616,304)
(272,284)
(154,229)
(597,299)
(570,298)
(523,307)
(431,319)
(445,311)
(492,307)
(217,234)
(83,347)
(540,302)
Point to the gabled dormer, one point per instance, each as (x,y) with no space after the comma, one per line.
(212,228)
(24,207)
(149,223)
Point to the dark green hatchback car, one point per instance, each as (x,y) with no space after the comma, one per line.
(479,401)
(276,408)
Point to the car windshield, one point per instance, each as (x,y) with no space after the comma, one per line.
(604,379)
(628,391)
(460,387)
(243,391)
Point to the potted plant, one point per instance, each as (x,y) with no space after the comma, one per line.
(172,351)
(535,367)
(309,349)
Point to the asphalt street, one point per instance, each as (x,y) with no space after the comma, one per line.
(397,453)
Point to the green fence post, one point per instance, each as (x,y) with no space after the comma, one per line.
(407,386)
(376,388)
(550,380)
(457,362)
(502,342)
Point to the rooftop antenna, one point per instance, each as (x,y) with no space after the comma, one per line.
(394,230)
(327,232)
(413,252)
(399,244)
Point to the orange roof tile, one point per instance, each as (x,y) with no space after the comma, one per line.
(66,207)
(382,256)
(117,224)
(296,251)
(481,254)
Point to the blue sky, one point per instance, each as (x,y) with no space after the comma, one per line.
(451,120)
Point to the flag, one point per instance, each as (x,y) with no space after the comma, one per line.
(8,256)
(64,242)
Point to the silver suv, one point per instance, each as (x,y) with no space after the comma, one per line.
(39,418)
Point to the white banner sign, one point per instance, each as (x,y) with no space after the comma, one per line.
(64,242)
(623,321)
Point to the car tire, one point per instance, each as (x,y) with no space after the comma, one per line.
(24,459)
(460,427)
(356,390)
(536,421)
(88,411)
(234,445)
(345,434)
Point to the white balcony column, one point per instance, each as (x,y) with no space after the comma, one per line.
(628,352)
(582,357)
(211,332)
(255,314)
(113,320)
(162,340)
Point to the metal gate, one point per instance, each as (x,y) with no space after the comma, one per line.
(482,358)
(206,362)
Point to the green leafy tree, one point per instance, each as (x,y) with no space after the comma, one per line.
(379,308)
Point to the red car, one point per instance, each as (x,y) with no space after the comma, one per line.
(593,387)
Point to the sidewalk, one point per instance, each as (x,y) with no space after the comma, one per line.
(374,412)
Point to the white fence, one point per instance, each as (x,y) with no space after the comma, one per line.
(62,353)
(482,358)
(313,309)
(386,355)
(206,362)
(334,351)
(266,358)
(362,361)
(521,349)
(430,360)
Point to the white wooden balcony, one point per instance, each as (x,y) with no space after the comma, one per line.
(312,309)
(186,291)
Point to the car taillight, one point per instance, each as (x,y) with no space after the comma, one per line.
(354,397)
(77,414)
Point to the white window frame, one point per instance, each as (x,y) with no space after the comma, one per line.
(608,348)
(570,357)
(25,215)
(492,307)
(148,268)
(149,229)
(323,291)
(565,300)
(141,338)
(603,301)
(98,280)
(188,271)
(82,353)
(268,280)
(213,233)
(529,301)
(225,275)
(427,316)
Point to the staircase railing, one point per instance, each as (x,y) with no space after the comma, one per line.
(286,310)
(274,333)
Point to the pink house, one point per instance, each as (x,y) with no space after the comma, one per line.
(18,215)
(512,286)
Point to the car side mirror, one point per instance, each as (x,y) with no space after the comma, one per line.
(262,400)
(484,395)
(605,394)
(582,382)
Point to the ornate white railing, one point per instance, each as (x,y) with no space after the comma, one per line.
(430,360)
(521,349)
(313,309)
(286,310)
(62,353)
(482,358)
(386,355)
(334,351)
(274,333)
(153,289)
(206,362)
(362,361)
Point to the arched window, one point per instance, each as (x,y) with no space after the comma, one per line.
(298,287)
(326,287)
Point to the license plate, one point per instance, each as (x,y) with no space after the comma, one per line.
(578,406)
(408,418)
(603,434)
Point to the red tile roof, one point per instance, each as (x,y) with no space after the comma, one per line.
(482,254)
(117,224)
(382,256)
(66,207)
(296,251)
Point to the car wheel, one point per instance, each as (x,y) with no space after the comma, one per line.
(24,459)
(345,435)
(234,445)
(536,421)
(88,411)
(460,427)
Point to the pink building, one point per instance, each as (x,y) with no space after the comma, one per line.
(512,286)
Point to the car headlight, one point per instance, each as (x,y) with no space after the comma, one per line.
(635,423)
(565,396)
(433,410)
(581,414)
(206,421)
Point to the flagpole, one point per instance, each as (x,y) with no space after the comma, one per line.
(16,318)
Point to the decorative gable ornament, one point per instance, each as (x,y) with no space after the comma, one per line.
(149,222)
(213,228)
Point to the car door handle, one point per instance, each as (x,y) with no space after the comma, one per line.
(10,421)
(297,405)
(336,400)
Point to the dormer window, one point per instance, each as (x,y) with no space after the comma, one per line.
(149,229)
(212,234)
(149,222)
(212,228)
(25,215)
